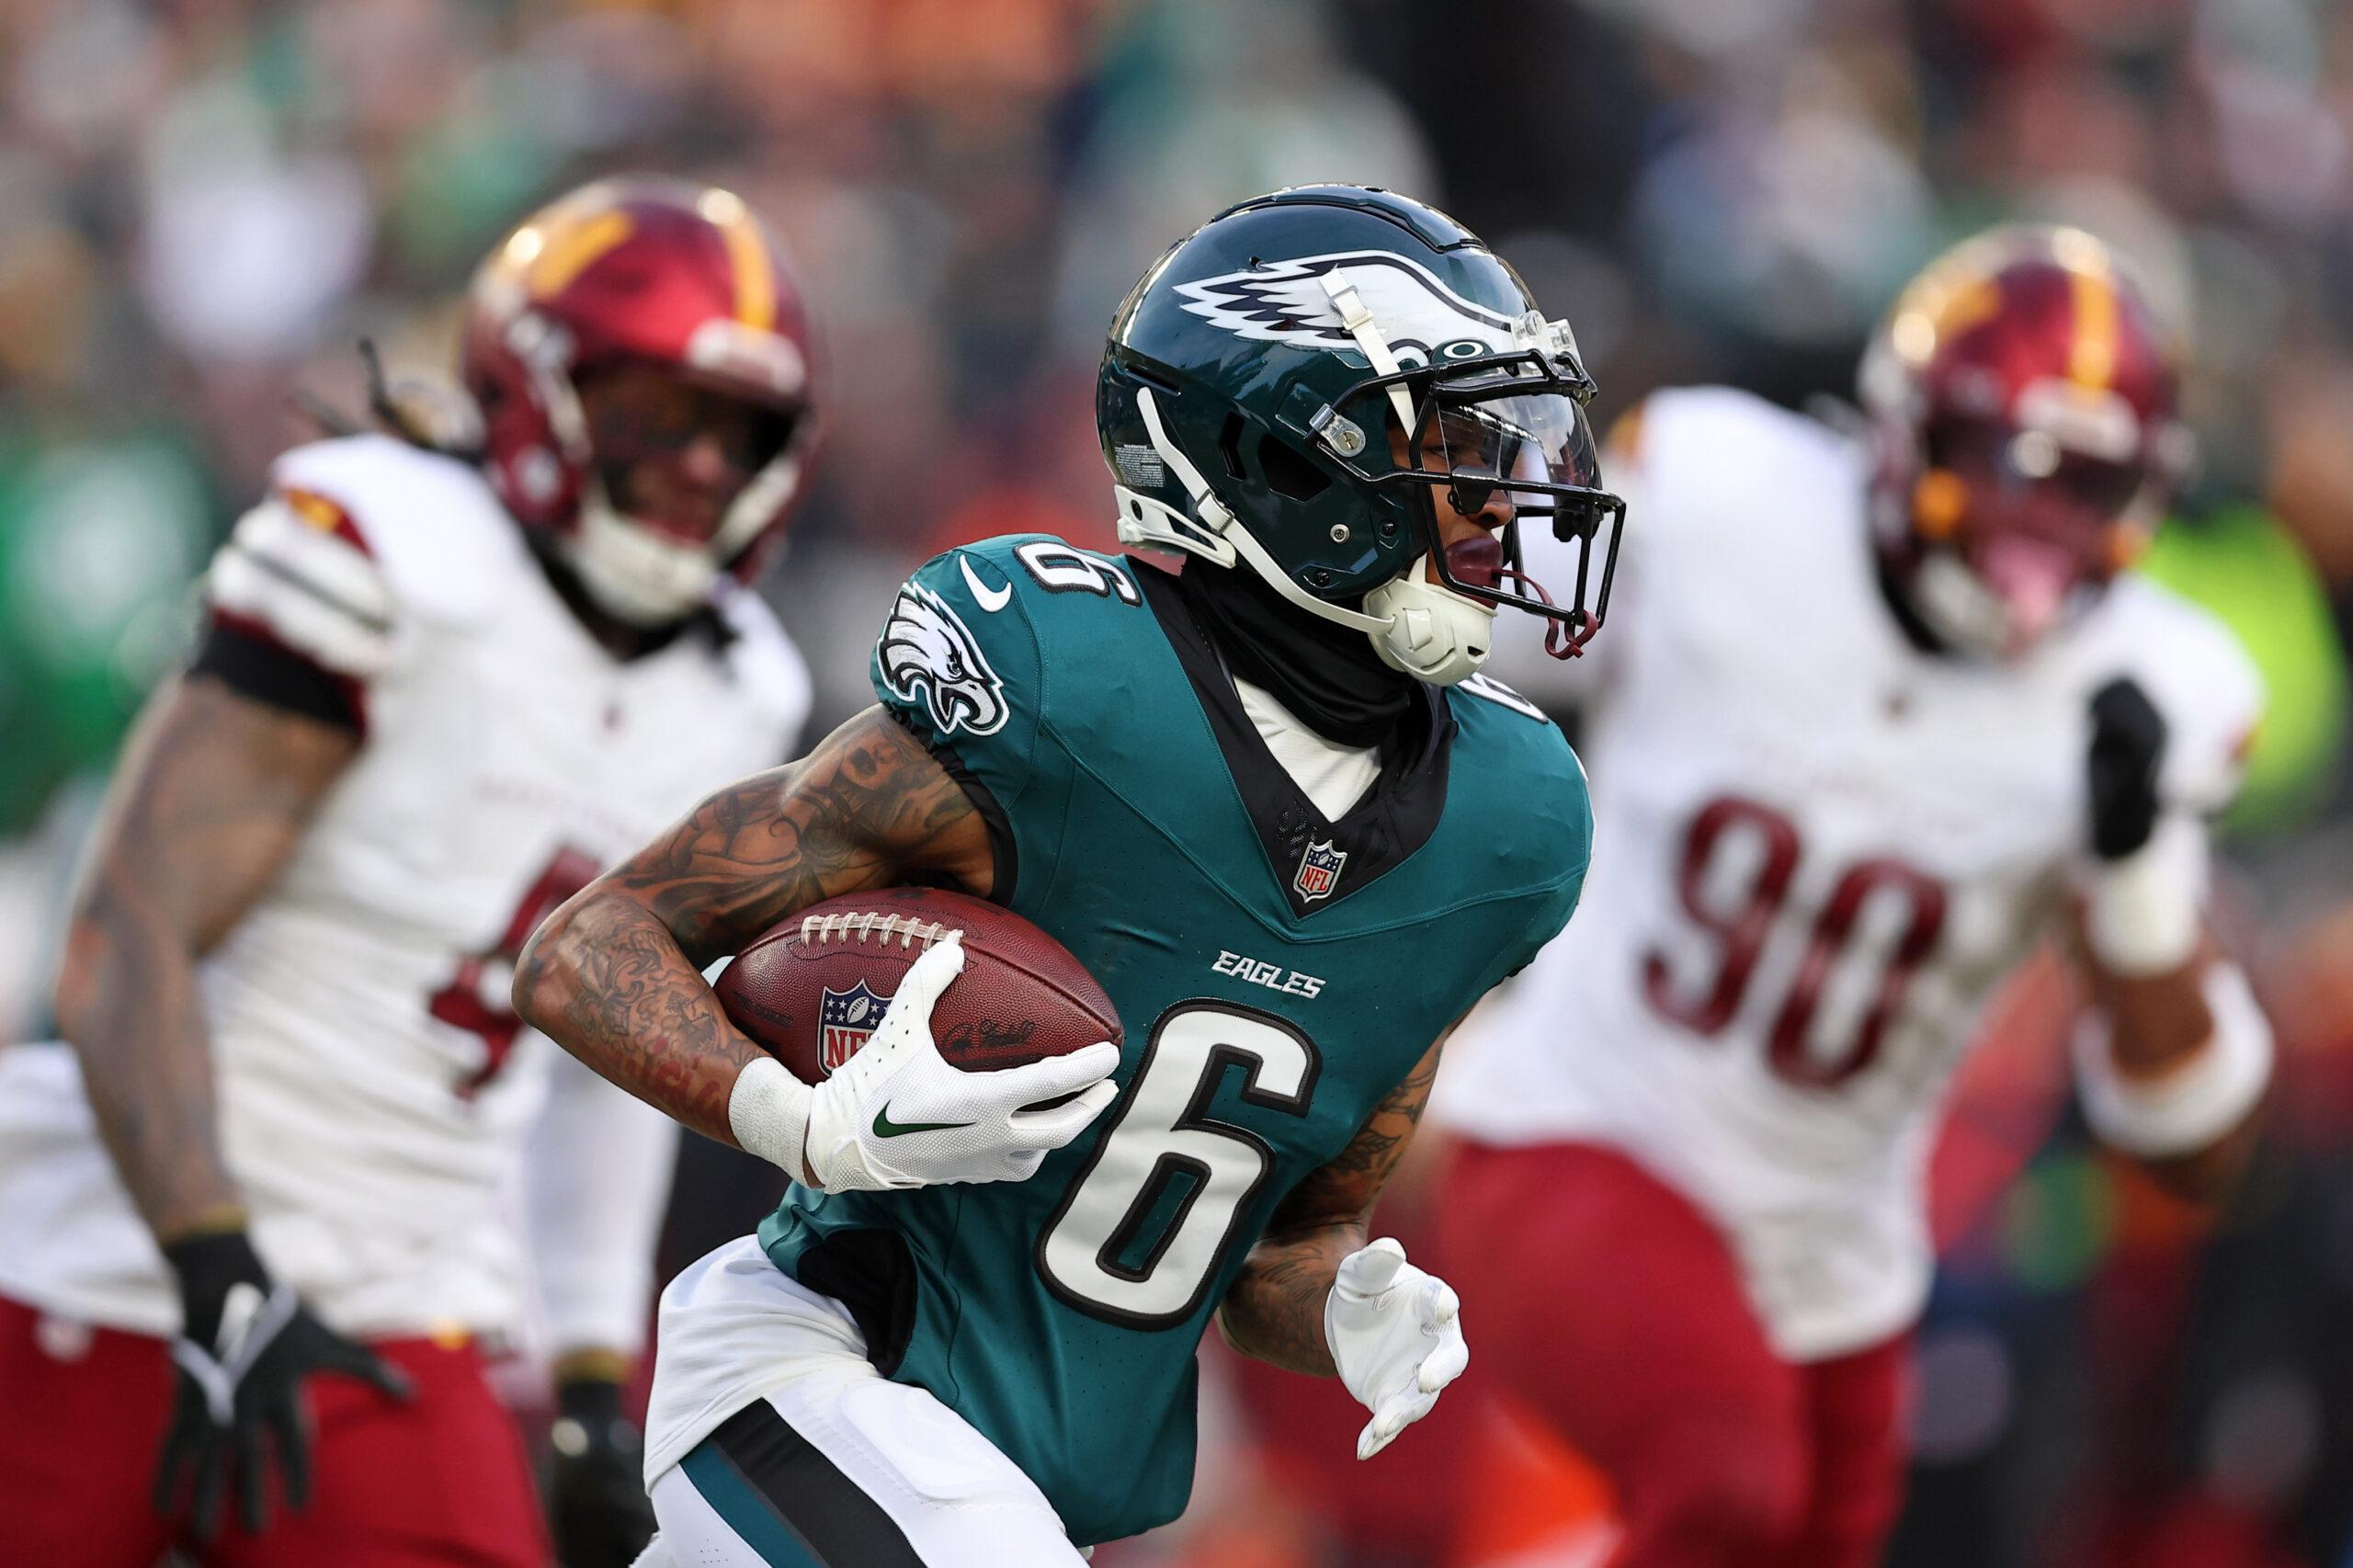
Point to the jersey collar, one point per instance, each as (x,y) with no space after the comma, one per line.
(1316,862)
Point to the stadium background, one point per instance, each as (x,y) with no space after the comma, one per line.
(205,203)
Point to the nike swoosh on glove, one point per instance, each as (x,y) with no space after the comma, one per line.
(245,1347)
(897,1115)
(1396,1335)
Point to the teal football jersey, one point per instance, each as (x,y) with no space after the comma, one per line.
(1276,974)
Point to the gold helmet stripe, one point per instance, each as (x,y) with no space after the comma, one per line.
(2091,349)
(568,249)
(747,251)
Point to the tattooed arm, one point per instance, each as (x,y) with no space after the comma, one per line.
(214,793)
(1274,1310)
(615,975)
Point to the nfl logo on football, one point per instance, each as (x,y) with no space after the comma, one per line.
(1319,870)
(845,1020)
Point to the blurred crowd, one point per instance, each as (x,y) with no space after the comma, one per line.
(205,205)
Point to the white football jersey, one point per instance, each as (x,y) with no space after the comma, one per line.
(375,1086)
(1818,850)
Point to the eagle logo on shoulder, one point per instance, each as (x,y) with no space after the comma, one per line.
(927,651)
(1285,302)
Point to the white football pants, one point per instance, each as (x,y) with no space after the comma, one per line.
(833,1467)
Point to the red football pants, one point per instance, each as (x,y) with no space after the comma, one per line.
(1605,1303)
(439,1479)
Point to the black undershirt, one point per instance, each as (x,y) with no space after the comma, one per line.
(1379,832)
(1325,674)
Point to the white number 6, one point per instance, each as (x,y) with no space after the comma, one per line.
(1094,1253)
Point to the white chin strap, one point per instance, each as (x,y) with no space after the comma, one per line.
(1417,626)
(1357,317)
(647,577)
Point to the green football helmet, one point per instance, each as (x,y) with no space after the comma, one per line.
(1289,387)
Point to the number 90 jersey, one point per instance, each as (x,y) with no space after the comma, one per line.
(1818,849)
(1277,975)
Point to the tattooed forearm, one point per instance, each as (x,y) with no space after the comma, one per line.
(615,975)
(868,805)
(1274,1310)
(630,1005)
(213,796)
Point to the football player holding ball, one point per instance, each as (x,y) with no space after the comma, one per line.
(1268,803)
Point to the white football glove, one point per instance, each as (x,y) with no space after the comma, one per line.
(897,1115)
(1396,1335)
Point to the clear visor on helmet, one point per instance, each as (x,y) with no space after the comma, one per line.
(1540,440)
(1499,441)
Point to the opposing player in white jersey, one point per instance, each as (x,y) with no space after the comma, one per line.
(1877,712)
(435,695)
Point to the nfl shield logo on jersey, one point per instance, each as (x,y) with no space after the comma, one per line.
(1319,870)
(844,1019)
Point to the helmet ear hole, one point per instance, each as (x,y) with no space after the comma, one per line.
(1290,473)
(1229,445)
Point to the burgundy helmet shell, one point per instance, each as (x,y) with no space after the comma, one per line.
(2023,393)
(646,268)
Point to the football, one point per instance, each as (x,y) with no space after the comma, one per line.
(812,991)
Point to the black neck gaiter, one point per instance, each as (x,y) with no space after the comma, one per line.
(1328,675)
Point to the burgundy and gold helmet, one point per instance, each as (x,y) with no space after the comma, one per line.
(658,271)
(2023,393)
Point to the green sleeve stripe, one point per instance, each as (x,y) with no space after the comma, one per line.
(746,1513)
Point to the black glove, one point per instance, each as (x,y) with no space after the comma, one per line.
(245,1346)
(2127,746)
(596,1505)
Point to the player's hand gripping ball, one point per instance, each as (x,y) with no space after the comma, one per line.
(812,990)
(947,1039)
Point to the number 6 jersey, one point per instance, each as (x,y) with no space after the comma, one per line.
(1279,974)
(1818,850)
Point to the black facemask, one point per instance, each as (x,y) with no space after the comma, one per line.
(1328,675)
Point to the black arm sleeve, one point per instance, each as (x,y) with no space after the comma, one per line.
(269,672)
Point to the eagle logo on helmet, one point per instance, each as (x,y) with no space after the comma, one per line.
(926,649)
(1287,303)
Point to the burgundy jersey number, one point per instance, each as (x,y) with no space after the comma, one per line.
(1739,907)
(1742,927)
(463,1002)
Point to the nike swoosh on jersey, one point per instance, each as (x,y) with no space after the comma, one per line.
(991,600)
(886,1128)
